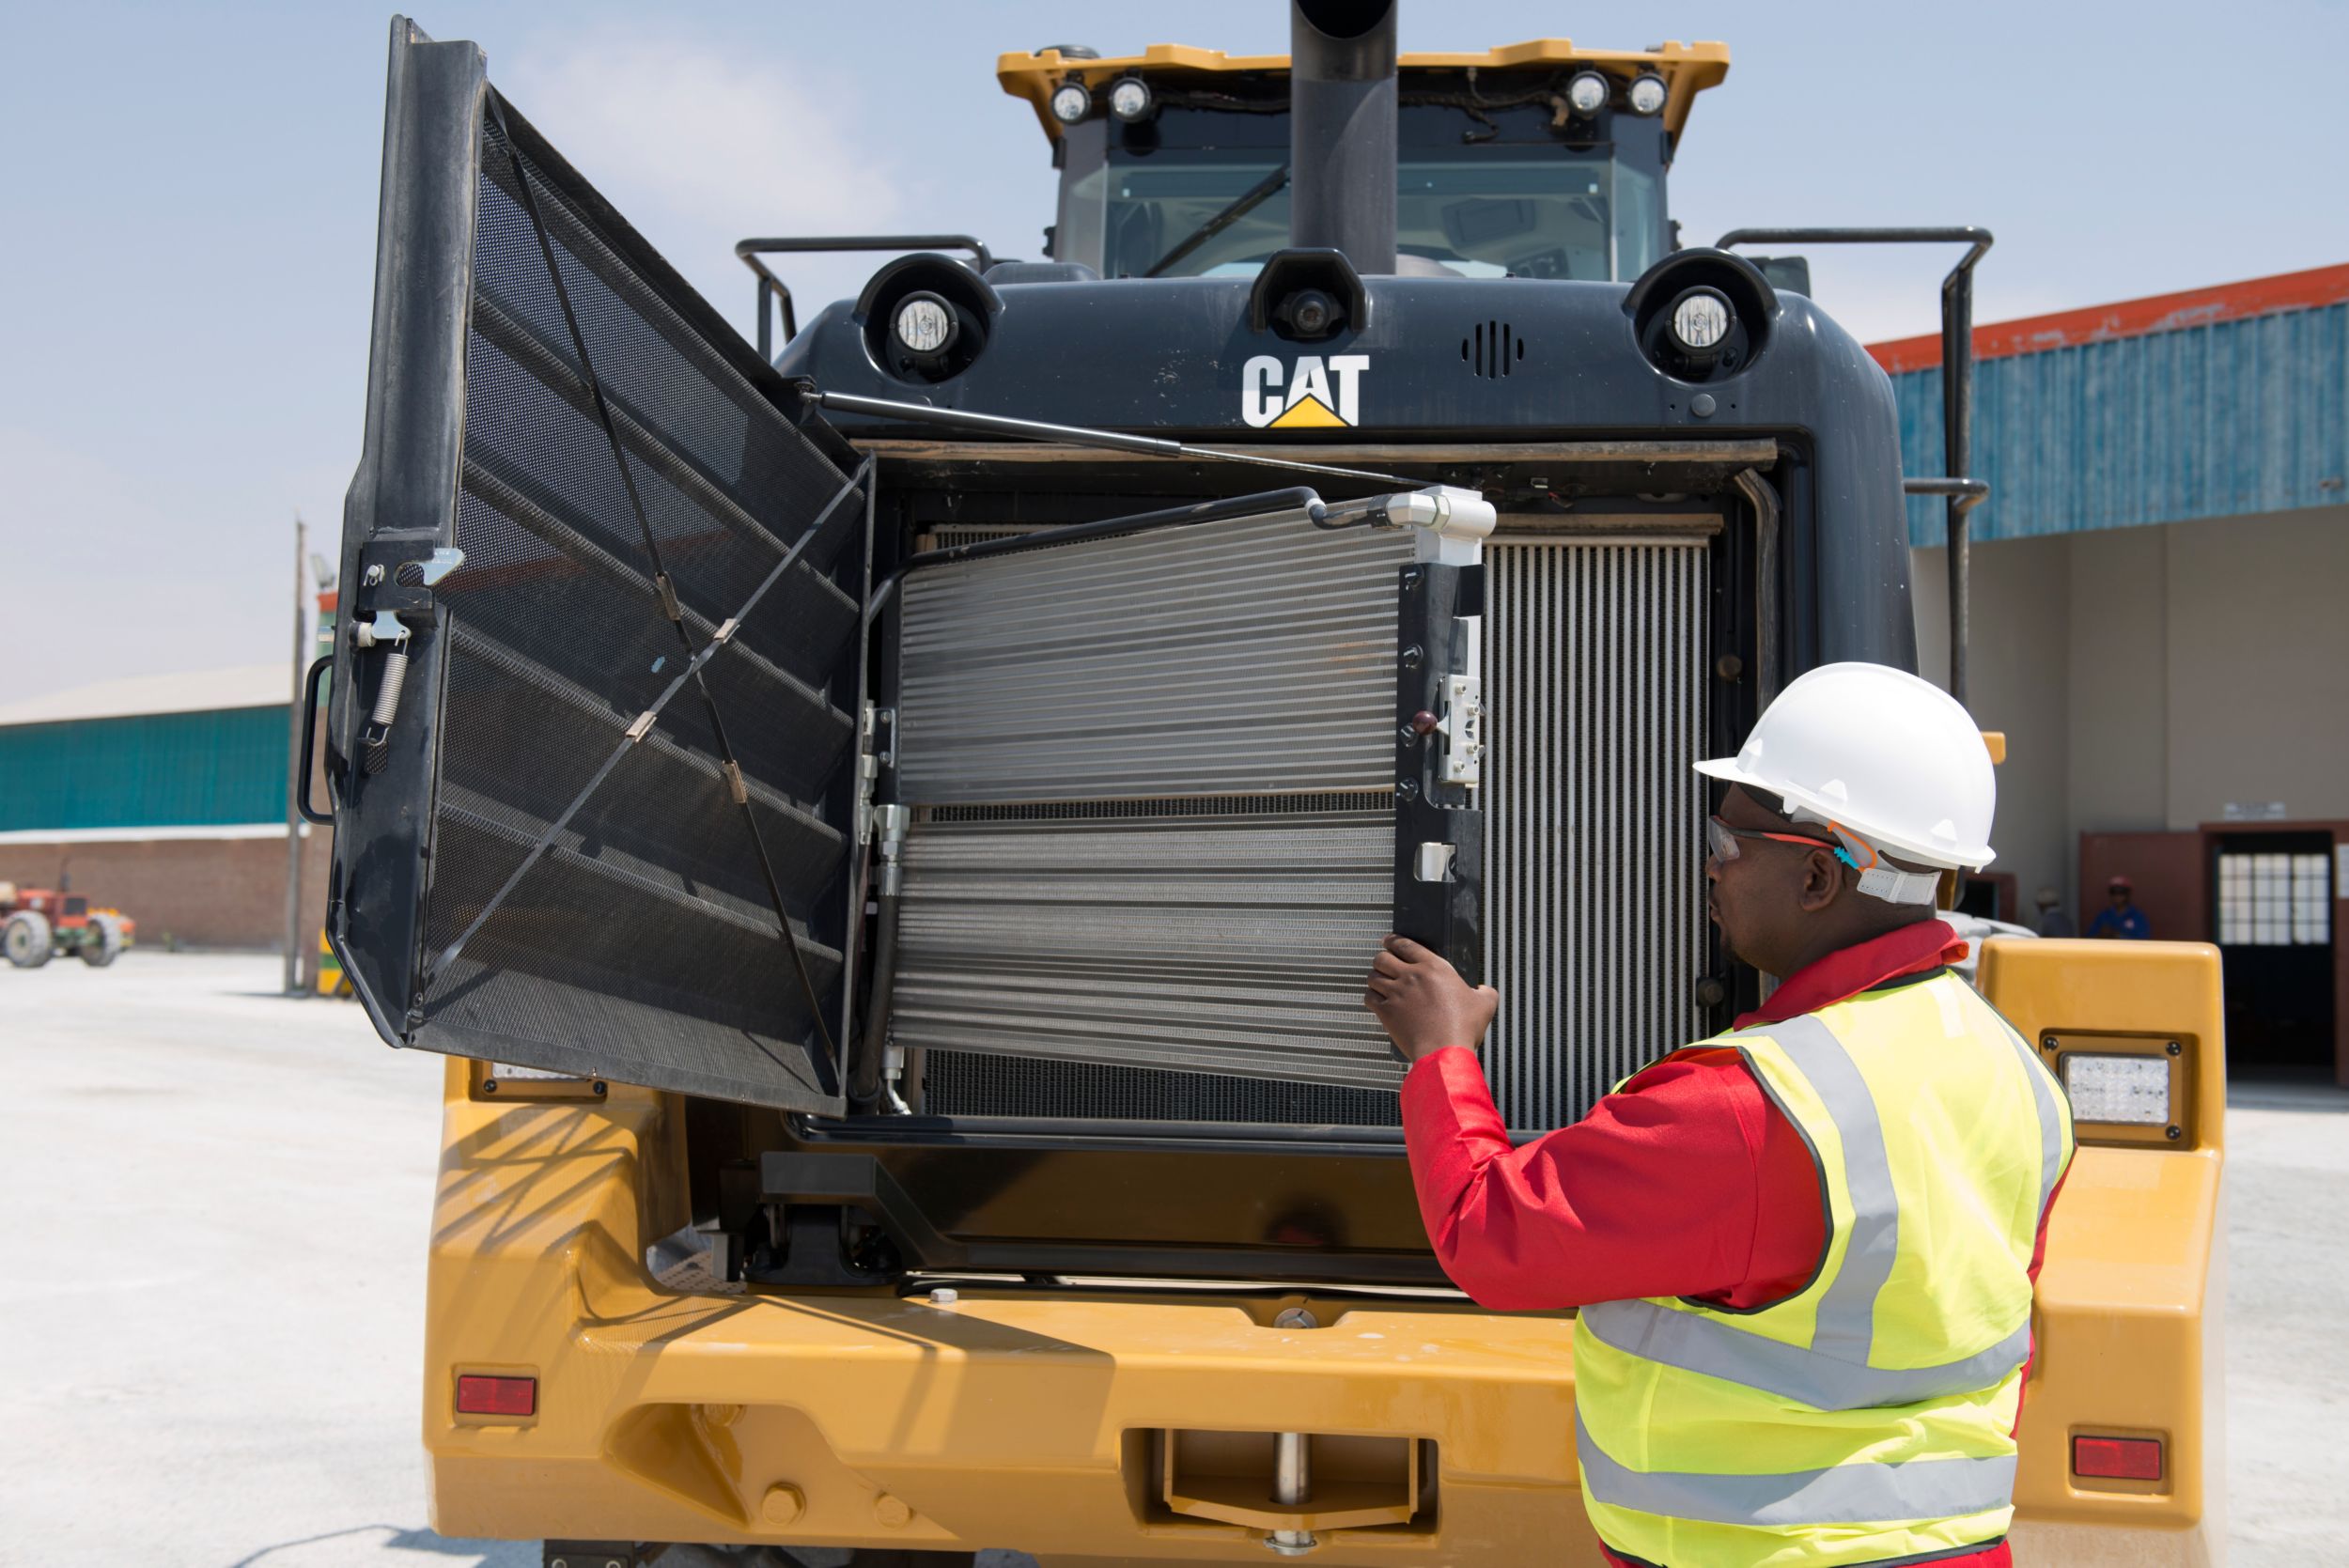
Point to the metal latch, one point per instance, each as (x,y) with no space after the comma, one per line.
(385,630)
(1462,727)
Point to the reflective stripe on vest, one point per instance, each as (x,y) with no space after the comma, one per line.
(1856,1494)
(1833,1373)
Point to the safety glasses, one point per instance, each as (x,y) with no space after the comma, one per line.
(1722,839)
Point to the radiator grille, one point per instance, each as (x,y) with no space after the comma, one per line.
(1154,778)
(1241,659)
(1595,921)
(1232,943)
(1594,913)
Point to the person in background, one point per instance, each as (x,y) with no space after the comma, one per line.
(2053,919)
(2121,917)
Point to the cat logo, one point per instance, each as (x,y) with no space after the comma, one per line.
(1321,394)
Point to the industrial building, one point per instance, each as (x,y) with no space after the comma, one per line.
(163,796)
(2157,625)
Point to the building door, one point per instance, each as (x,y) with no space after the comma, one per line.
(2275,930)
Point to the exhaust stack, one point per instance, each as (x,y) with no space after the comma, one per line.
(1341,129)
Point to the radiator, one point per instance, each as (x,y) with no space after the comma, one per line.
(1595,670)
(1594,664)
(1154,785)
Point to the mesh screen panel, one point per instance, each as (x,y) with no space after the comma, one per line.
(644,933)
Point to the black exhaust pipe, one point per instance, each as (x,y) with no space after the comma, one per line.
(1341,129)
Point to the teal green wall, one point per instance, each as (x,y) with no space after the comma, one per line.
(2213,420)
(154,771)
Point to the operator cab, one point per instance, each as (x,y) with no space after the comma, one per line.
(1534,160)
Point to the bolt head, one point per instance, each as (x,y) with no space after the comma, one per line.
(894,1513)
(2175,1048)
(2173,1134)
(783,1504)
(1296,1317)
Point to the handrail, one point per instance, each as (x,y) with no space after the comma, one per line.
(773,286)
(1963,492)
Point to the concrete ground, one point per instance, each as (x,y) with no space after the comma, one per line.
(213,1202)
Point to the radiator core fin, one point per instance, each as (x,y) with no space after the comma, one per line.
(1595,921)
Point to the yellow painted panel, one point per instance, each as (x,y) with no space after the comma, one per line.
(1687,69)
(1024,1419)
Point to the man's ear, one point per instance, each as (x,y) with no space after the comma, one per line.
(1822,882)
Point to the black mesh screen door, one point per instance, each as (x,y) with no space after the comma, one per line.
(595,733)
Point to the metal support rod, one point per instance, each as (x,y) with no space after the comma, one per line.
(1082,435)
(773,286)
(1292,1487)
(1957,387)
(298,763)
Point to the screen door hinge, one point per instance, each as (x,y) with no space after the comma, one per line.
(876,735)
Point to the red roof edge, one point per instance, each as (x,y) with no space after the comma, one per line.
(2159,313)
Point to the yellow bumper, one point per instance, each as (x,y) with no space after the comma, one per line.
(1038,1420)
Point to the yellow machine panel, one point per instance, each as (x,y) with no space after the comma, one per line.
(1134,1424)
(1687,69)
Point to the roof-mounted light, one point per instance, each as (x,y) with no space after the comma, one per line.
(1646,96)
(1700,320)
(1071,102)
(1588,92)
(1131,100)
(925,325)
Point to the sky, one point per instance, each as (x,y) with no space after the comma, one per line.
(188,205)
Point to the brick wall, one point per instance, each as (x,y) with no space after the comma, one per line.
(201,892)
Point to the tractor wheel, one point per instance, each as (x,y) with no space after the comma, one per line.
(107,946)
(25,940)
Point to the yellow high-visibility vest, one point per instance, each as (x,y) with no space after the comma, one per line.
(1871,1415)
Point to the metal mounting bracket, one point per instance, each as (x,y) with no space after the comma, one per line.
(1462,727)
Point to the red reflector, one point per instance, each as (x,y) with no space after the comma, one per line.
(497,1396)
(2117,1458)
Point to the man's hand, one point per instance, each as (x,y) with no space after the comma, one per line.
(1424,1002)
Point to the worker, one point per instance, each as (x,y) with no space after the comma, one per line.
(2053,919)
(1804,1250)
(2121,917)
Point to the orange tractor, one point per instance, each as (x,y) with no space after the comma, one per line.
(38,924)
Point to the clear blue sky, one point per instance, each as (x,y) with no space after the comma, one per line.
(188,202)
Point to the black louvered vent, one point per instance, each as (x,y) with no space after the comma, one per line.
(1492,350)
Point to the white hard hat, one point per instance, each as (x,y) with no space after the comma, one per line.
(1890,757)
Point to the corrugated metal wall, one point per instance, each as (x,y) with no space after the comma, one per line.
(153,771)
(2212,421)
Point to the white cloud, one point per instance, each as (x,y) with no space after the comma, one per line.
(701,136)
(700,147)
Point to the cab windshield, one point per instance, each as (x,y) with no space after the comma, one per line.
(1485,212)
